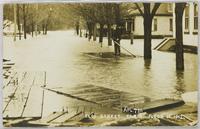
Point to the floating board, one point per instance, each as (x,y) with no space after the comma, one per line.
(115,99)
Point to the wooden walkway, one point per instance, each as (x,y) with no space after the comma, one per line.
(19,95)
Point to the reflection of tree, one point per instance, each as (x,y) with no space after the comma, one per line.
(147,72)
(147,64)
(180,85)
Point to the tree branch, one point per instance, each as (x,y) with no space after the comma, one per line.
(139,9)
(155,8)
(179,8)
(147,8)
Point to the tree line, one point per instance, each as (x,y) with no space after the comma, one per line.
(34,19)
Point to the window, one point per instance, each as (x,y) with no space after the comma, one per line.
(187,17)
(195,16)
(169,6)
(133,25)
(170,24)
(155,24)
(129,26)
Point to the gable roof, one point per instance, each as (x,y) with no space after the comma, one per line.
(163,10)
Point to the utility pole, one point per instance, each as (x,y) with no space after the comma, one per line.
(15,22)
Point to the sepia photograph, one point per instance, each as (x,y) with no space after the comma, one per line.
(100,64)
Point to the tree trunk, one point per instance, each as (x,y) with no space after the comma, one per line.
(77,28)
(131,37)
(147,37)
(148,15)
(131,32)
(24,18)
(18,22)
(101,33)
(46,29)
(32,29)
(89,24)
(80,32)
(179,36)
(15,22)
(43,28)
(86,34)
(109,35)
(94,32)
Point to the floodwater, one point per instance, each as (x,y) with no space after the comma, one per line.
(60,53)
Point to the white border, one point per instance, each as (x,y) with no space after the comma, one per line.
(91,1)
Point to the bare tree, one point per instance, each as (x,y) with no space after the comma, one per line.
(148,15)
(24,19)
(18,21)
(179,9)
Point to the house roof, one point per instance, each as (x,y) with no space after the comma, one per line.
(163,10)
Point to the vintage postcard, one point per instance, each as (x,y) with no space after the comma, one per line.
(100,64)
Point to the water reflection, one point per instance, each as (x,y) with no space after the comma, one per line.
(147,63)
(180,84)
(147,73)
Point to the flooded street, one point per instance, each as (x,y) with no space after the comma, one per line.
(61,55)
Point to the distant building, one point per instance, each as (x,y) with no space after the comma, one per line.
(8,27)
(162,25)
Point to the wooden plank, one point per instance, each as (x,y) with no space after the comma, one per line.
(11,78)
(65,117)
(52,117)
(158,105)
(27,100)
(34,104)
(6,66)
(15,122)
(71,96)
(9,93)
(8,63)
(182,116)
(17,103)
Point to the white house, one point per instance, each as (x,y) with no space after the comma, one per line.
(8,27)
(190,24)
(162,25)
(190,30)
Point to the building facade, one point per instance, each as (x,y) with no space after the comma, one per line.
(162,25)
(9,27)
(190,24)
